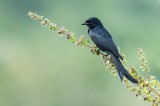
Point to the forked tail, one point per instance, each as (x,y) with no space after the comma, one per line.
(121,70)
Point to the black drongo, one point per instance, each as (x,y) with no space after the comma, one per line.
(103,40)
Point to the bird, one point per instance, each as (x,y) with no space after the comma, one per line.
(104,41)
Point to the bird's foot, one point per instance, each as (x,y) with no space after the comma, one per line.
(105,56)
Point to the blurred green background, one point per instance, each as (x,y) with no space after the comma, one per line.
(39,68)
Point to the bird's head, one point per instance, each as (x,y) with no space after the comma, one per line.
(92,22)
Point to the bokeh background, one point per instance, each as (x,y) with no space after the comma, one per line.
(39,68)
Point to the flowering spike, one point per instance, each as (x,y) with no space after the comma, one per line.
(147,88)
(61,31)
(53,26)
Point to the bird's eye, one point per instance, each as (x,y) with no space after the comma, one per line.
(87,21)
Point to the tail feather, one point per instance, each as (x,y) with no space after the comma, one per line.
(121,70)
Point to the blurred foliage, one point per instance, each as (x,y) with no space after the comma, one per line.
(39,69)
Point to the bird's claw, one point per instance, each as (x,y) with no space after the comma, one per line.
(106,55)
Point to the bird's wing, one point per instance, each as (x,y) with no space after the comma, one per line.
(107,44)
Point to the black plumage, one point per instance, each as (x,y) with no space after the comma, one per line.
(103,40)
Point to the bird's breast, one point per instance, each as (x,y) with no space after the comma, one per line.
(94,36)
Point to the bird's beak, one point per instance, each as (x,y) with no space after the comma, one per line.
(84,23)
